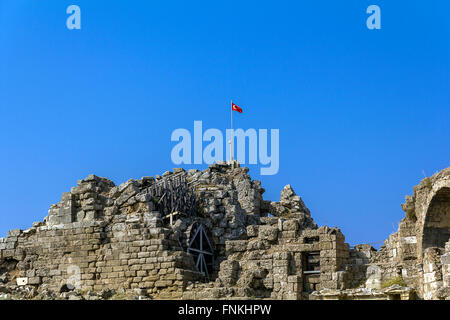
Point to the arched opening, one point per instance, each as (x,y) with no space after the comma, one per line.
(436,231)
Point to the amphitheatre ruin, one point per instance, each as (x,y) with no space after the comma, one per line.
(210,235)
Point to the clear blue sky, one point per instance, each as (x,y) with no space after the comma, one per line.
(362,113)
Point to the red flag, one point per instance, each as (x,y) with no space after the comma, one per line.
(235,108)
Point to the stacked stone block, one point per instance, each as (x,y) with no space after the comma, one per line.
(271,263)
(432,273)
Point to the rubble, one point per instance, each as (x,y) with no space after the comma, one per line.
(210,235)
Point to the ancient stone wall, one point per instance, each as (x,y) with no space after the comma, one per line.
(210,235)
(413,252)
(279,260)
(102,236)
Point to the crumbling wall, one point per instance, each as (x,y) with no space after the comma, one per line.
(357,265)
(102,236)
(429,207)
(95,256)
(426,226)
(432,273)
(279,260)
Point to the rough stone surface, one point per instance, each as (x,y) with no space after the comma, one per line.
(103,241)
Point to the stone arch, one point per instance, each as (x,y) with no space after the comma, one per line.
(436,226)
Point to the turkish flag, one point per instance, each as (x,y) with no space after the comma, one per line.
(235,108)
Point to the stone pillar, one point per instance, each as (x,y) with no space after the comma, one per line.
(373,275)
(63,212)
(445,262)
(432,273)
(280,275)
(294,288)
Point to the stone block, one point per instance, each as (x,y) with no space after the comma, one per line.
(268,233)
(14,233)
(236,246)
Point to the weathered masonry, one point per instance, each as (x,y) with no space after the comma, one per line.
(210,235)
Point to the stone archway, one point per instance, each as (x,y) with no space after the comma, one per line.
(436,228)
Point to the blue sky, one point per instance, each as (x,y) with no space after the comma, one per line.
(362,113)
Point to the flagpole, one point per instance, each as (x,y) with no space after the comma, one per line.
(232,133)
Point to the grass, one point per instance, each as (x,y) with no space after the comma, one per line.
(397,280)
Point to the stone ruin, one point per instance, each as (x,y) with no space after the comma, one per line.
(210,235)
